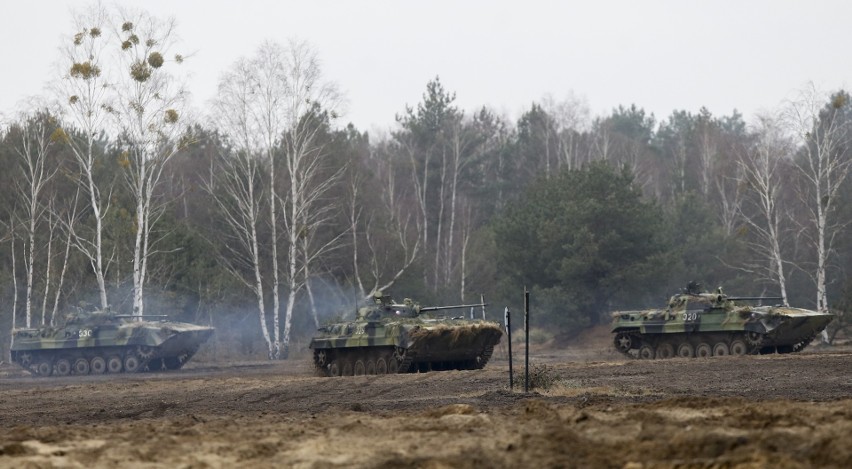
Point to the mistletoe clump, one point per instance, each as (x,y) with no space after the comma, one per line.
(140,71)
(85,70)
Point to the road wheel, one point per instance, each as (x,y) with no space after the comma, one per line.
(62,367)
(346,368)
(320,358)
(721,349)
(44,367)
(131,363)
(646,352)
(393,366)
(370,367)
(738,347)
(703,350)
(623,342)
(686,350)
(114,364)
(97,365)
(360,368)
(665,350)
(81,366)
(381,366)
(334,369)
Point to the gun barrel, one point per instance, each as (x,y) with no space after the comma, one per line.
(141,316)
(754,298)
(436,308)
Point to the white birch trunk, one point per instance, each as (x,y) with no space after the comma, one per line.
(292,291)
(761,170)
(32,153)
(47,268)
(14,285)
(61,278)
(439,233)
(86,97)
(258,291)
(825,132)
(138,245)
(148,106)
(29,264)
(276,303)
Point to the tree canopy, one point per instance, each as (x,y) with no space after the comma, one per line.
(274,203)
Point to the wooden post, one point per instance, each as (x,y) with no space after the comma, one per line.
(526,340)
(507,320)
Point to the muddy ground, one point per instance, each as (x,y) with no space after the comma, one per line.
(599,411)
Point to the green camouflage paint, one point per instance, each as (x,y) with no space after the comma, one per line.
(710,324)
(102,342)
(387,337)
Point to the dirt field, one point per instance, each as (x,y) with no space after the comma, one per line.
(601,411)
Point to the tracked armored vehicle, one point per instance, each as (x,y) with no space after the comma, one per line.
(387,337)
(702,324)
(102,342)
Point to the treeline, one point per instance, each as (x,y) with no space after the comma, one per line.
(267,217)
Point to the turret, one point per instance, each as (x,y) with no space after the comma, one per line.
(385,306)
(693,294)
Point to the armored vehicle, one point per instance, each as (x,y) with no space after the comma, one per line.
(702,324)
(103,342)
(387,337)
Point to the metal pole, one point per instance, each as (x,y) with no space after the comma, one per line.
(507,320)
(482,302)
(526,340)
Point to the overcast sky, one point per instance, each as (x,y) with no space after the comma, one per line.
(747,55)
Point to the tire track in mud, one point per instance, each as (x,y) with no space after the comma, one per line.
(779,411)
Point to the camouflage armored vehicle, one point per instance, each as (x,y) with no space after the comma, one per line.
(701,324)
(386,337)
(102,342)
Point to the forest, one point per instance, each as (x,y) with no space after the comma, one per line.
(264,214)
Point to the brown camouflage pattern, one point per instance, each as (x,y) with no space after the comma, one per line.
(403,338)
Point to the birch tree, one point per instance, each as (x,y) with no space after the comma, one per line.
(14,274)
(762,168)
(235,187)
(275,104)
(538,138)
(84,94)
(311,101)
(707,132)
(36,139)
(251,110)
(727,172)
(730,192)
(389,234)
(824,132)
(146,111)
(676,136)
(571,117)
(425,141)
(71,214)
(462,143)
(601,140)
(236,184)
